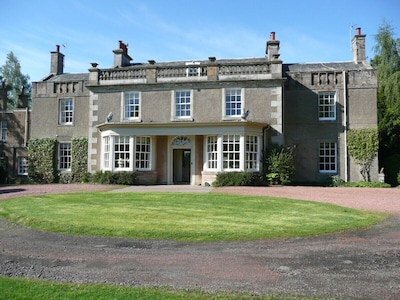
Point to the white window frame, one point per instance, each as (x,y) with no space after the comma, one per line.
(252,153)
(64,156)
(123,161)
(143,153)
(230,94)
(215,157)
(22,166)
(327,159)
(179,107)
(327,106)
(66,111)
(231,152)
(3,128)
(212,152)
(107,153)
(131,104)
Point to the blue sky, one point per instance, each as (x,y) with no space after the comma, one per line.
(175,30)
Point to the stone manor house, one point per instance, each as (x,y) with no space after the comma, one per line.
(186,121)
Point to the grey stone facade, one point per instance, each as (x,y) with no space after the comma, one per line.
(15,131)
(186,121)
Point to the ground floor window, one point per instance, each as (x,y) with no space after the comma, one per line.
(121,152)
(232,152)
(126,153)
(252,153)
(212,152)
(142,153)
(22,165)
(64,156)
(327,157)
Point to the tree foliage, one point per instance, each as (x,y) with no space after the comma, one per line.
(363,145)
(15,80)
(387,63)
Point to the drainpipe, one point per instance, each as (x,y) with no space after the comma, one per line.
(26,126)
(345,124)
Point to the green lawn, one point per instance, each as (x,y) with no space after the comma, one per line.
(21,289)
(183,217)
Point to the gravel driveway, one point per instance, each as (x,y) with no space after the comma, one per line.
(362,264)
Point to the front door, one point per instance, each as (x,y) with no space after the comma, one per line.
(181,166)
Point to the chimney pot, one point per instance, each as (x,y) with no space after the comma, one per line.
(58,48)
(358,31)
(272,36)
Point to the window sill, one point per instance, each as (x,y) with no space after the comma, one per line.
(183,120)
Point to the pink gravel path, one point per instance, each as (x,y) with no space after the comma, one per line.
(379,199)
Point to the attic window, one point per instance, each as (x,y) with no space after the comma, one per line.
(193,69)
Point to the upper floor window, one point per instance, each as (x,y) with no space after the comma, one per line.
(233,102)
(327,157)
(3,131)
(66,111)
(22,166)
(183,104)
(64,156)
(327,106)
(132,105)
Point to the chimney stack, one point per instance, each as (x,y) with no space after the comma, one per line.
(272,49)
(121,57)
(57,62)
(358,47)
(22,99)
(3,95)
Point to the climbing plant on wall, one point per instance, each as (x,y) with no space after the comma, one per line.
(79,158)
(363,145)
(41,160)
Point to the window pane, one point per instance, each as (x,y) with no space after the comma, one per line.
(182,104)
(327,106)
(233,102)
(66,111)
(143,151)
(121,153)
(231,154)
(64,156)
(132,105)
(327,159)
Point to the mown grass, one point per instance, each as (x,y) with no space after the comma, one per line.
(183,217)
(21,289)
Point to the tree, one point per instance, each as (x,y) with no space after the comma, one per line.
(363,145)
(15,80)
(387,63)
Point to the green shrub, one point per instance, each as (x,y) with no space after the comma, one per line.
(280,160)
(65,177)
(107,177)
(239,179)
(371,184)
(336,181)
(391,166)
